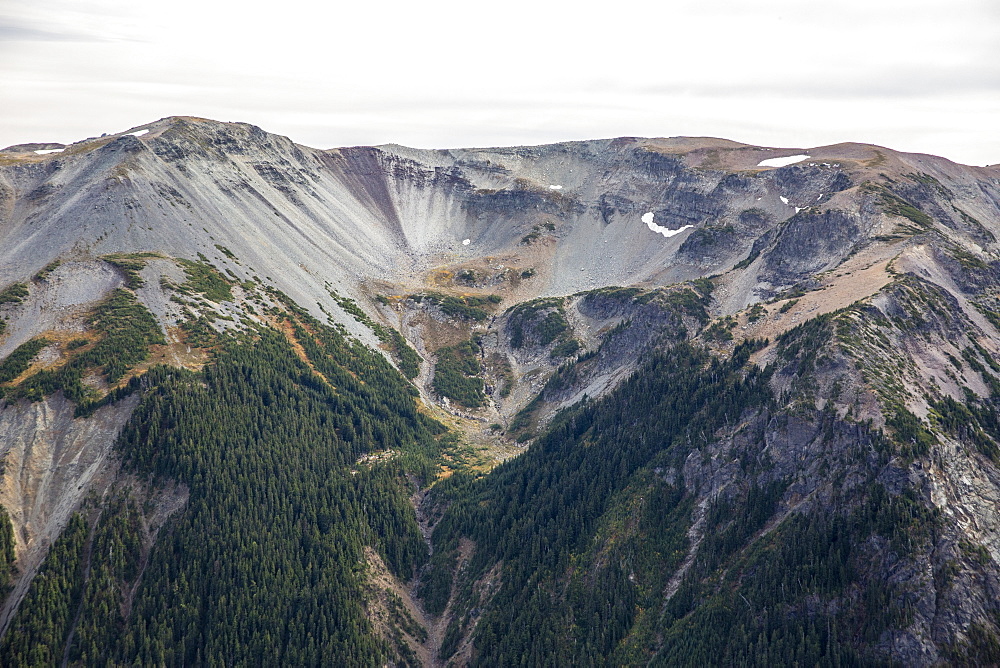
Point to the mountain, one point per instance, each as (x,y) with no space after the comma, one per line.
(623,401)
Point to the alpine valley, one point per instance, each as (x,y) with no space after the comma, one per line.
(669,402)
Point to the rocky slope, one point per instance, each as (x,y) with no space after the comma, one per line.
(536,279)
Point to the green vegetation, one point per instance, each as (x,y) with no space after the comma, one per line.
(894,205)
(274,530)
(400,622)
(536,233)
(567,348)
(126,331)
(46,270)
(117,543)
(130,265)
(225,251)
(199,332)
(456,374)
(974,422)
(968,260)
(710,235)
(803,348)
(788,306)
(689,302)
(913,437)
(351,307)
(551,327)
(469,307)
(811,557)
(748,260)
(589,529)
(559,515)
(989,314)
(6,551)
(987,371)
(721,331)
(930,181)
(794,292)
(616,292)
(547,329)
(532,236)
(77,343)
(282,510)
(500,367)
(205,279)
(704,286)
(981,649)
(18,361)
(14,294)
(405,356)
(301,448)
(40,628)
(975,224)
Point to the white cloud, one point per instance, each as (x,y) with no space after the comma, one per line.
(919,76)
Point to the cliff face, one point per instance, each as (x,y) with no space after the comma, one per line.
(51,462)
(531,281)
(359,214)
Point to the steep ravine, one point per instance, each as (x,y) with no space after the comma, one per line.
(51,463)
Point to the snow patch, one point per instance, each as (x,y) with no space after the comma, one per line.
(665,231)
(138,133)
(784,200)
(781,162)
(46,151)
(555,187)
(466,242)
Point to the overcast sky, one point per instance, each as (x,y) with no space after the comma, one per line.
(914,75)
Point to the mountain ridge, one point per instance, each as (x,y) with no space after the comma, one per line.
(383,236)
(835,322)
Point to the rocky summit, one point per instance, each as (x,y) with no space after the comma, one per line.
(674,401)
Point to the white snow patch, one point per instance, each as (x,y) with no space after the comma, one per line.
(665,231)
(46,151)
(139,133)
(555,187)
(784,200)
(466,242)
(781,162)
